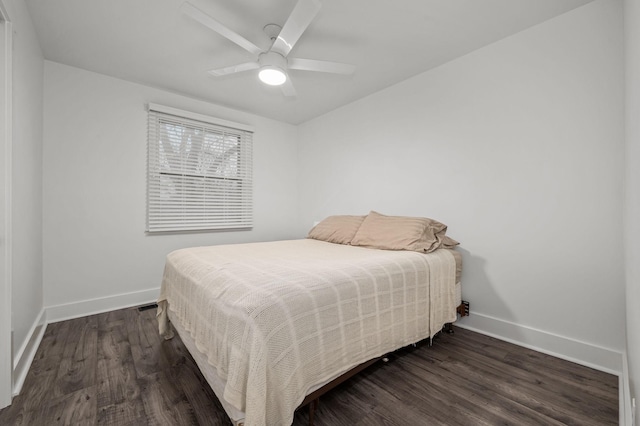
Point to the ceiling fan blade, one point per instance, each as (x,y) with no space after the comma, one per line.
(206,20)
(320,66)
(287,88)
(300,18)
(247,66)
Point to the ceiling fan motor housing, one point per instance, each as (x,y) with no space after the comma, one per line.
(272,59)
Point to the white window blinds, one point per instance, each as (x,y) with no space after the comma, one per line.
(199,172)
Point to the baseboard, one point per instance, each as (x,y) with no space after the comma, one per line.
(583,353)
(626,409)
(84,308)
(25,355)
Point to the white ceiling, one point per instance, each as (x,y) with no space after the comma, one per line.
(151,42)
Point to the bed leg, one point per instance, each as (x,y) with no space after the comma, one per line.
(313,406)
(463,309)
(448,328)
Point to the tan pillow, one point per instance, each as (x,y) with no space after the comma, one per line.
(336,229)
(400,233)
(448,242)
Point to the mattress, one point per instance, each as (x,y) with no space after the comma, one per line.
(270,322)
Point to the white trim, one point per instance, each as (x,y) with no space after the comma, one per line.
(583,353)
(200,117)
(6,337)
(99,305)
(26,354)
(626,411)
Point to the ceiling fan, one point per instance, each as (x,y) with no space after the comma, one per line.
(273,63)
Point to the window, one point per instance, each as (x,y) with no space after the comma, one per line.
(199,172)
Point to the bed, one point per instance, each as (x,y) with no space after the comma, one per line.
(270,323)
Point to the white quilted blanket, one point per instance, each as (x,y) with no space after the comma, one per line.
(277,318)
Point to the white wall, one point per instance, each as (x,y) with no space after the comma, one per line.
(95,186)
(26,200)
(518,147)
(632,193)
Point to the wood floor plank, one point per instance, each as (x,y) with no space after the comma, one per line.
(433,402)
(542,391)
(374,418)
(570,373)
(75,408)
(127,413)
(571,377)
(527,390)
(118,387)
(346,406)
(387,415)
(471,401)
(118,391)
(107,320)
(54,340)
(206,407)
(146,343)
(505,398)
(114,369)
(77,368)
(40,384)
(387,401)
(116,374)
(165,403)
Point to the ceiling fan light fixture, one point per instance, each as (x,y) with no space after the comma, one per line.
(273,76)
(272,68)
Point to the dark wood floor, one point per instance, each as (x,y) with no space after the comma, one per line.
(114,369)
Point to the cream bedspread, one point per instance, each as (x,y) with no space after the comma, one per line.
(276,318)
